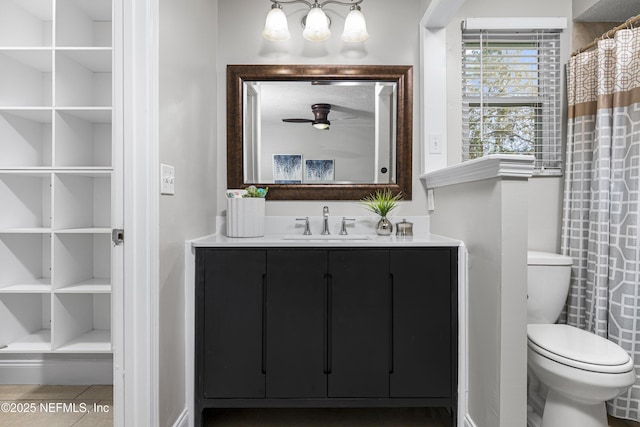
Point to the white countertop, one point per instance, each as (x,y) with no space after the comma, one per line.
(279,240)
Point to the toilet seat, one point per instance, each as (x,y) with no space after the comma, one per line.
(578,348)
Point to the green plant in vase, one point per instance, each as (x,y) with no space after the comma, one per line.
(382,202)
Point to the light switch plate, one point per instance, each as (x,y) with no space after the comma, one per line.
(167,179)
(435,143)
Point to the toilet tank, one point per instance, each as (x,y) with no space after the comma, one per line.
(548,278)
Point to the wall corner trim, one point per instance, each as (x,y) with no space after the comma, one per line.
(511,166)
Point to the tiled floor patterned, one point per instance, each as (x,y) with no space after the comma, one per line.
(56,406)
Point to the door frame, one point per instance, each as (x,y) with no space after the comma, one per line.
(135,306)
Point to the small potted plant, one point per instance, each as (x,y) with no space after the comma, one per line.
(382,202)
(246,212)
(253,191)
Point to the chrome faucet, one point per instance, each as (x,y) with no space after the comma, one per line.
(343,228)
(307,230)
(325,222)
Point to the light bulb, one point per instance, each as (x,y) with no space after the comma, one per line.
(276,28)
(317,26)
(355,26)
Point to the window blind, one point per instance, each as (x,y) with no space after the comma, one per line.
(511,95)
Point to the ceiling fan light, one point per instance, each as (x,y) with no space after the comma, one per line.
(276,27)
(316,26)
(321,125)
(355,26)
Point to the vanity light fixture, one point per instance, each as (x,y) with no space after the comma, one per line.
(316,23)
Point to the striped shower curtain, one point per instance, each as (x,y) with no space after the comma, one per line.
(601,203)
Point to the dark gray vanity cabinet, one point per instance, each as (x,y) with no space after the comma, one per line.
(424,323)
(321,327)
(229,330)
(359,310)
(295,324)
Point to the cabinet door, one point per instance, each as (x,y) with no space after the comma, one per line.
(359,295)
(232,312)
(296,319)
(422,316)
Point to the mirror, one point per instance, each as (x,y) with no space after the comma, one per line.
(312,132)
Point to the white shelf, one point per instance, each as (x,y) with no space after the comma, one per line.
(30,75)
(94,286)
(97,60)
(26,22)
(83,138)
(35,286)
(26,319)
(81,259)
(56,173)
(25,260)
(25,198)
(94,341)
(38,230)
(89,114)
(83,200)
(25,137)
(37,342)
(83,23)
(35,114)
(82,79)
(94,230)
(82,322)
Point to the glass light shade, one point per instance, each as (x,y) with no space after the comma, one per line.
(355,27)
(276,28)
(321,125)
(317,26)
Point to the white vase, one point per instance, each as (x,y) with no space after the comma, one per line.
(245,217)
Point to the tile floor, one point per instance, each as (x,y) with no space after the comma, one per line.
(84,406)
(56,406)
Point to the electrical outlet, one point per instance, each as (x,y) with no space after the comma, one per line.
(167,179)
(435,143)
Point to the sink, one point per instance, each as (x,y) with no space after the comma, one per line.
(327,237)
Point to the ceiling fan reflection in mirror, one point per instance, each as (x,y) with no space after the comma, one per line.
(320,117)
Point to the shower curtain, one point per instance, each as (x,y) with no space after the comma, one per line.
(601,203)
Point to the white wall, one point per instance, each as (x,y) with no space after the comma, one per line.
(487,215)
(545,207)
(356,154)
(394,39)
(187,129)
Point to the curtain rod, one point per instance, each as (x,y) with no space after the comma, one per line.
(627,24)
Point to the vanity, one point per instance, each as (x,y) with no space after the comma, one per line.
(325,323)
(330,320)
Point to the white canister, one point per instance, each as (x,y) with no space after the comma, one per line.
(245,217)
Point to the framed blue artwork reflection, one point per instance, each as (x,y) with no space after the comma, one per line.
(287,168)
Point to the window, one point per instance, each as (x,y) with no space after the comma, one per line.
(511,95)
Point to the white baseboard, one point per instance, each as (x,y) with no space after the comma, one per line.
(68,371)
(183,419)
(468,422)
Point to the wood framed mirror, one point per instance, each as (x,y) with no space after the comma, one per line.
(320,132)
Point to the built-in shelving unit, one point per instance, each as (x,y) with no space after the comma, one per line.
(56,174)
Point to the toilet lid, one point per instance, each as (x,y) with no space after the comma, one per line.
(578,348)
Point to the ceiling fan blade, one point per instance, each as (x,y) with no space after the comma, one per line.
(297,120)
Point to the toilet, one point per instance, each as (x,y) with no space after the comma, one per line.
(571,372)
